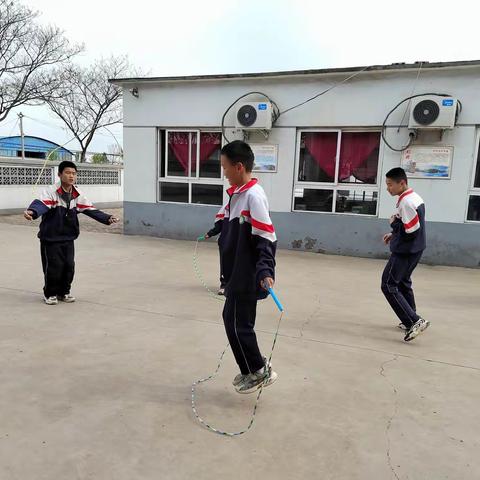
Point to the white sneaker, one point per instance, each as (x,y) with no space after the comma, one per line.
(425,324)
(238,379)
(241,377)
(221,291)
(253,381)
(417,329)
(50,300)
(68,298)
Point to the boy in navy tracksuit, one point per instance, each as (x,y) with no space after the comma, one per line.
(247,249)
(407,243)
(58,206)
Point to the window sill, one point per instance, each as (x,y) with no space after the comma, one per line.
(189,204)
(343,214)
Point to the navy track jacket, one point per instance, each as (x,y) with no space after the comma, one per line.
(408,228)
(59,211)
(247,241)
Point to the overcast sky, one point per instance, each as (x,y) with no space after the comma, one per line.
(229,36)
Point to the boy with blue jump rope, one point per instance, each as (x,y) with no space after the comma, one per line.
(247,249)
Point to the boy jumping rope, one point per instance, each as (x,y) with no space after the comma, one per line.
(407,243)
(247,248)
(58,206)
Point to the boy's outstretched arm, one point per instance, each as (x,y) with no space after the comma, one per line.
(86,207)
(40,206)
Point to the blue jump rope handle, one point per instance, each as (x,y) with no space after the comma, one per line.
(275,299)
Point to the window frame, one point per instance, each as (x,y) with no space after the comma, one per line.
(189,180)
(472,190)
(335,186)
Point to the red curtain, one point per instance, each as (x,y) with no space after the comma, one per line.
(322,146)
(209,142)
(179,142)
(359,156)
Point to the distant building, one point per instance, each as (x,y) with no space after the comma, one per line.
(35,147)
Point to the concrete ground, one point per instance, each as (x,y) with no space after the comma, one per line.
(100,389)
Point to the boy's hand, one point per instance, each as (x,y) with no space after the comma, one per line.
(268,282)
(28,215)
(386,238)
(206,237)
(112,219)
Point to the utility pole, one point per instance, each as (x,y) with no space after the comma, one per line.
(20,116)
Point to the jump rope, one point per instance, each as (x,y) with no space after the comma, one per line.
(220,360)
(44,166)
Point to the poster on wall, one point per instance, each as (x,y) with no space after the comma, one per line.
(427,162)
(266,157)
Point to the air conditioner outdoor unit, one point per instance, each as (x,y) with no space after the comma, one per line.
(254,116)
(433,112)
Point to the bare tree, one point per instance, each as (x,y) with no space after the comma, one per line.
(30,54)
(88,101)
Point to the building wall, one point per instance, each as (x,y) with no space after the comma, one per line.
(326,234)
(362,103)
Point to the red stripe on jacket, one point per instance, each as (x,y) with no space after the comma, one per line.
(412,223)
(255,223)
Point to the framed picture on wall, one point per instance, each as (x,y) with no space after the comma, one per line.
(428,161)
(266,157)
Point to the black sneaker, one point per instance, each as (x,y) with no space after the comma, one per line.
(416,329)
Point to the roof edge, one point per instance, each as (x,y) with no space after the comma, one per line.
(38,138)
(293,73)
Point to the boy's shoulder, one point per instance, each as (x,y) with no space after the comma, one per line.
(56,189)
(256,191)
(414,199)
(48,192)
(410,198)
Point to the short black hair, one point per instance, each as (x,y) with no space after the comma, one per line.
(66,164)
(397,174)
(239,152)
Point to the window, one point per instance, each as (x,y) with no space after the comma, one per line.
(337,172)
(473,211)
(190,169)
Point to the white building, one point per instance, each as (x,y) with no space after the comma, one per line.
(327,158)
